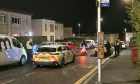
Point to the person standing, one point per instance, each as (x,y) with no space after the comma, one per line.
(29,45)
(120,46)
(84,44)
(108,47)
(117,47)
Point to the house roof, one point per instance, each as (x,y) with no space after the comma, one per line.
(16,11)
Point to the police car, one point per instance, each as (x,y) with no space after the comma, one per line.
(53,55)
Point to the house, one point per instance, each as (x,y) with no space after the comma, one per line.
(59,31)
(44,27)
(128,35)
(111,37)
(68,33)
(15,23)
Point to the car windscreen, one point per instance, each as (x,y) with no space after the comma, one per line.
(46,49)
(87,42)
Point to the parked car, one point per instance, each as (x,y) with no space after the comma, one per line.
(87,43)
(124,45)
(53,55)
(11,51)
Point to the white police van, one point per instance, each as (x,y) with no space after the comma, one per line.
(11,51)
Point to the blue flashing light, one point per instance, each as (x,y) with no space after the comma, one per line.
(105,4)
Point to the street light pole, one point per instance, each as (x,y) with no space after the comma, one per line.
(125,34)
(79,28)
(99,30)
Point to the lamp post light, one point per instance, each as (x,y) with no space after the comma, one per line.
(125,34)
(79,25)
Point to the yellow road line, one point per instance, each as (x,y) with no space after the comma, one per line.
(89,73)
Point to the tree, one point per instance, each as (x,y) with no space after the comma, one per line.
(133,12)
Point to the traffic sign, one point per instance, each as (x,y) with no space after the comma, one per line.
(105,3)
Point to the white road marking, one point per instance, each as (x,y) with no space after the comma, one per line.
(90,66)
(30,74)
(8,81)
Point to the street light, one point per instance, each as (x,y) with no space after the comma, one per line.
(125,34)
(79,28)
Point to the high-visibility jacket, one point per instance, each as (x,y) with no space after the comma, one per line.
(29,44)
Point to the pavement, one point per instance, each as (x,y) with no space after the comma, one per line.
(119,70)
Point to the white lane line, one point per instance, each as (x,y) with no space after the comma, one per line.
(89,73)
(8,81)
(30,74)
(105,60)
(90,66)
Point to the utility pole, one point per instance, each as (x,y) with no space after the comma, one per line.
(103,3)
(79,25)
(99,30)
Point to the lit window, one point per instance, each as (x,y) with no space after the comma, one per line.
(2,19)
(15,34)
(15,20)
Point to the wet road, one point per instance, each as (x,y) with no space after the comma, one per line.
(29,74)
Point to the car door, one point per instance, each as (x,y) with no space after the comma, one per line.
(66,55)
(5,48)
(4,57)
(70,54)
(16,50)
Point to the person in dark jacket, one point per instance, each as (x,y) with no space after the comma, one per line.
(108,47)
(117,47)
(84,44)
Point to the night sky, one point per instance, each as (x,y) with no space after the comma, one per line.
(72,12)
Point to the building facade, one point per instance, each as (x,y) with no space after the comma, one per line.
(59,31)
(44,27)
(68,32)
(15,23)
(128,35)
(111,37)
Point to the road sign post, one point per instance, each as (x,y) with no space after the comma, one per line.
(103,3)
(99,30)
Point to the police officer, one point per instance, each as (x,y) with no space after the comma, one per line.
(29,45)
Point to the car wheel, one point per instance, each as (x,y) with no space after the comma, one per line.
(22,60)
(38,66)
(73,60)
(62,63)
